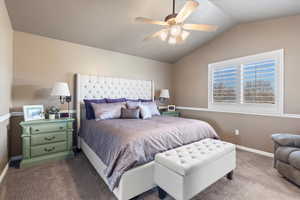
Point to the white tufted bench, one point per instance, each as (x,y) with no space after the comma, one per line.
(185,171)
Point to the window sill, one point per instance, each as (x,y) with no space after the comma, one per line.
(284,115)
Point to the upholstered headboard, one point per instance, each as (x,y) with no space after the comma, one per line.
(99,87)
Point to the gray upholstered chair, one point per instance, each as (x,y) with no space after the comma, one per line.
(287,156)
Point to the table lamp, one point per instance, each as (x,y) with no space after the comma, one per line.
(61,90)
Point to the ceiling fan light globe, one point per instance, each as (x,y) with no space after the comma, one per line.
(184,35)
(175,30)
(172,40)
(163,35)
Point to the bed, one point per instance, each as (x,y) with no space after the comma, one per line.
(122,150)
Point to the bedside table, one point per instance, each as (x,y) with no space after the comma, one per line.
(45,140)
(170,113)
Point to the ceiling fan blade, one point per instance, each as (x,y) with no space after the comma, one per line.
(200,27)
(187,9)
(150,21)
(156,35)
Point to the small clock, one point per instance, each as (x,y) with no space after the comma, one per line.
(171,108)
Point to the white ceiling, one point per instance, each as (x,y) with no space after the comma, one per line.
(108,24)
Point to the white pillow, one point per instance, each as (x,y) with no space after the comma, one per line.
(145,112)
(107,110)
(152,107)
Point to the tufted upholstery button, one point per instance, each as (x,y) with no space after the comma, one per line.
(183,161)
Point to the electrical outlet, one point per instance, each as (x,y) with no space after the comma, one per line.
(237,132)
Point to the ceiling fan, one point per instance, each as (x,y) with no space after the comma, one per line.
(175,28)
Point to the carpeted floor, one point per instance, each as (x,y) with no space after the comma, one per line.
(75,179)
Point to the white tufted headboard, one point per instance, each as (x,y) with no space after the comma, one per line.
(99,87)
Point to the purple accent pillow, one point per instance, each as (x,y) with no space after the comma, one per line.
(146,100)
(133,100)
(115,100)
(89,111)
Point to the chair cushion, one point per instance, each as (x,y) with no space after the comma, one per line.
(283,153)
(290,140)
(294,159)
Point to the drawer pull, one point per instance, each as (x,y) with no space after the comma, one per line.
(61,128)
(50,149)
(37,130)
(50,138)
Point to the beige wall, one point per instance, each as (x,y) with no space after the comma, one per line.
(190,78)
(6,45)
(41,61)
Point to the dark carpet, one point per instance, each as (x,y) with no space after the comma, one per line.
(75,179)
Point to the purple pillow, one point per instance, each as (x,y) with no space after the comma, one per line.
(115,100)
(145,100)
(89,111)
(133,100)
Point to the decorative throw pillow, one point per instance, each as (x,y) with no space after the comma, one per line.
(133,105)
(115,100)
(133,100)
(130,113)
(152,107)
(146,100)
(89,111)
(107,111)
(145,112)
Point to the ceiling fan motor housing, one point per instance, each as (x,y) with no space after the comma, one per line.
(171,18)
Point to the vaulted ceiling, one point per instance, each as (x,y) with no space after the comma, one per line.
(109,24)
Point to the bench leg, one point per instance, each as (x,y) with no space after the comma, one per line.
(161,193)
(230,175)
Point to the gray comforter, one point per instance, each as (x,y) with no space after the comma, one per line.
(123,144)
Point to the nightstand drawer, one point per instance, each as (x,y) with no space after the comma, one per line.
(45,128)
(48,138)
(171,114)
(48,149)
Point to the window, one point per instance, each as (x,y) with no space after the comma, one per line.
(252,84)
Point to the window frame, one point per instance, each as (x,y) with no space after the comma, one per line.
(251,108)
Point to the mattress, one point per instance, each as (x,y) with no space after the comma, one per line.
(123,144)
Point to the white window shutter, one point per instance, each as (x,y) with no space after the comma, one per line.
(226,84)
(259,82)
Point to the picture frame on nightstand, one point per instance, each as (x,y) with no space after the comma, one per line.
(33,112)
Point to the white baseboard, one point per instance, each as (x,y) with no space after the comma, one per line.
(263,153)
(3,173)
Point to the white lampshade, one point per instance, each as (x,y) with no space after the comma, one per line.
(60,89)
(164,93)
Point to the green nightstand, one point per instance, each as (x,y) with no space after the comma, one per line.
(170,113)
(45,140)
